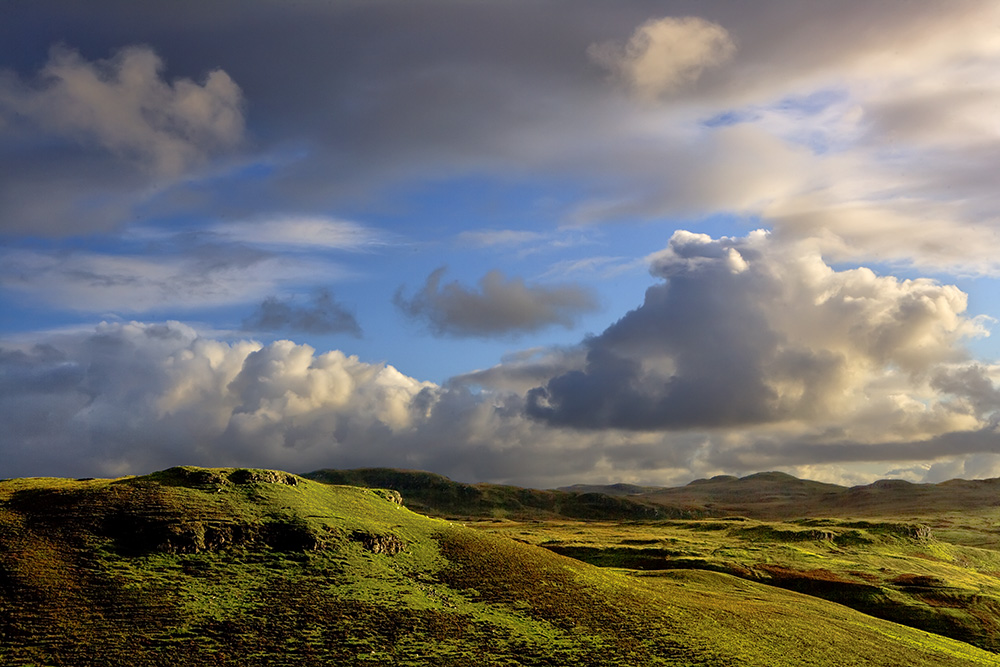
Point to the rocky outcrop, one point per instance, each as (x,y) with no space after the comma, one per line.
(913,531)
(208,479)
(248,476)
(391,495)
(135,535)
(385,543)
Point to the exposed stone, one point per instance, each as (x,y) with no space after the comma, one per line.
(386,543)
(247,476)
(293,535)
(391,495)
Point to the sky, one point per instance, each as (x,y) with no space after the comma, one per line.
(539,243)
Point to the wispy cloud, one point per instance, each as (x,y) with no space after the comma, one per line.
(136,283)
(488,238)
(302,233)
(604,267)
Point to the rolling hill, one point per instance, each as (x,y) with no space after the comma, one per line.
(254,567)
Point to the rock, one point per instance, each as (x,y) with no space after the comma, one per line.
(391,495)
(247,476)
(386,543)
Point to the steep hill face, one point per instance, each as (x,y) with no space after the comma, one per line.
(251,567)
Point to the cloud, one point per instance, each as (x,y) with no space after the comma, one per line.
(486,238)
(746,332)
(322,315)
(303,232)
(501,307)
(93,398)
(868,126)
(85,144)
(130,398)
(521,371)
(124,106)
(665,54)
(199,277)
(223,264)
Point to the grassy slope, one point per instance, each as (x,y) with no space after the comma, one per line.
(194,566)
(894,570)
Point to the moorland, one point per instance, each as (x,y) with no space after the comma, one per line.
(235,566)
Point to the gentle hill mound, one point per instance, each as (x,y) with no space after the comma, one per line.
(439,496)
(251,567)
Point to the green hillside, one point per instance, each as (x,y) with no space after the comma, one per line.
(435,494)
(248,567)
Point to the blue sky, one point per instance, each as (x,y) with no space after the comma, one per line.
(540,243)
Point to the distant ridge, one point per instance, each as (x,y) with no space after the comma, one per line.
(763,495)
(619,489)
(777,495)
(437,495)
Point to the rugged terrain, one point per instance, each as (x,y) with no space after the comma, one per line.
(254,567)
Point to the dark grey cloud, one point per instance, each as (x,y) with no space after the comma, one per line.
(500,307)
(742,332)
(130,398)
(973,384)
(103,131)
(321,315)
(368,95)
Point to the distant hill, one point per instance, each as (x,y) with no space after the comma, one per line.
(776,495)
(611,489)
(437,495)
(195,566)
(766,494)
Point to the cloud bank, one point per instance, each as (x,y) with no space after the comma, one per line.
(747,354)
(173,168)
